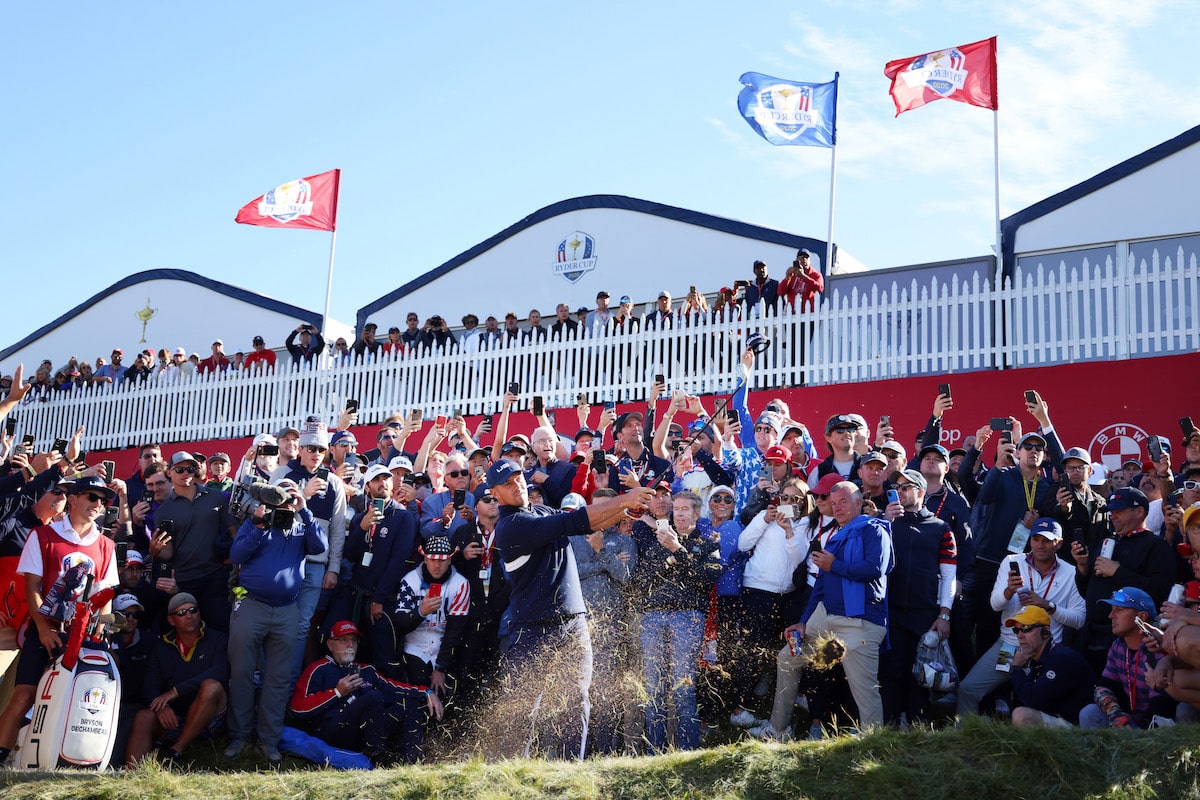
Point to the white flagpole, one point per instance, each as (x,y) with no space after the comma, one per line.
(996,178)
(329,285)
(832,181)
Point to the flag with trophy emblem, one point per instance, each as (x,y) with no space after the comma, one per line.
(966,73)
(789,112)
(310,203)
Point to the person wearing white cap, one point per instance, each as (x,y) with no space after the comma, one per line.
(217,362)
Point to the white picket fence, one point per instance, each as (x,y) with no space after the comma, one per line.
(1048,315)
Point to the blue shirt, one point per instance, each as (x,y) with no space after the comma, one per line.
(272,560)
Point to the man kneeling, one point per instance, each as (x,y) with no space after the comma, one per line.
(351,706)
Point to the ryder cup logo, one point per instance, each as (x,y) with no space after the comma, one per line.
(785,109)
(942,72)
(94,701)
(1118,443)
(576,255)
(285,203)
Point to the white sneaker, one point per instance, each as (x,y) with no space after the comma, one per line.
(767,733)
(743,719)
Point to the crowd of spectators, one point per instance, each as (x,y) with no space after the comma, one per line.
(748,565)
(305,345)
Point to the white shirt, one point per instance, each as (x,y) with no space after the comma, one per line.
(31,557)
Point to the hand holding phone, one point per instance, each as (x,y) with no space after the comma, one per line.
(539,405)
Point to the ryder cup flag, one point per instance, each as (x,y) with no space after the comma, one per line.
(966,74)
(309,203)
(788,112)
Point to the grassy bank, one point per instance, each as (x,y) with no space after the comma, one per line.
(983,760)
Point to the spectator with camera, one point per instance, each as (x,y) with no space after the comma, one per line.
(803,281)
(431,613)
(437,336)
(270,551)
(310,347)
(366,346)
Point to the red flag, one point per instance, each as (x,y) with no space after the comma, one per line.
(309,203)
(966,74)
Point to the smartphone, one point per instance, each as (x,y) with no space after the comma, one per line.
(110,518)
(59,446)
(487,423)
(1014,569)
(352,460)
(893,496)
(786,510)
(109,468)
(1185,423)
(1173,499)
(480,471)
(886,419)
(944,389)
(10,425)
(122,549)
(352,406)
(1001,424)
(599,462)
(82,456)
(458,413)
(268,449)
(441,421)
(323,473)
(415,416)
(1006,437)
(539,405)
(764,472)
(166,526)
(28,440)
(514,387)
(1031,396)
(378,503)
(147,497)
(609,405)
(1154,448)
(354,668)
(660,378)
(661,524)
(1148,629)
(435,590)
(459,498)
(581,399)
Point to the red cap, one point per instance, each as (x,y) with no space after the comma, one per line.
(343,628)
(778,452)
(826,484)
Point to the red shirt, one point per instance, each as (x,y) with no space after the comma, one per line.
(261,360)
(213,364)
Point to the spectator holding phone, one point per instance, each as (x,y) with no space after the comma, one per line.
(311,345)
(802,280)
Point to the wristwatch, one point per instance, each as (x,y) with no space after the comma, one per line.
(1051,607)
(944,617)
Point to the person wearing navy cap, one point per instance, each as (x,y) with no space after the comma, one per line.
(1140,560)
(550,646)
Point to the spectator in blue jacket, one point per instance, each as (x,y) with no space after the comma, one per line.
(270,548)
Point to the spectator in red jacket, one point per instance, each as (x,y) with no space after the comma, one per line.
(217,362)
(802,279)
(261,360)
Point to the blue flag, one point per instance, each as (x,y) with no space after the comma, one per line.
(790,112)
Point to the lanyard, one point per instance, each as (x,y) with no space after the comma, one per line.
(1030,490)
(1131,673)
(486,557)
(1045,592)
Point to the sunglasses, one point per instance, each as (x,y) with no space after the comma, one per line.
(821,496)
(96,498)
(186,612)
(1193,485)
(458,473)
(312,448)
(846,429)
(720,498)
(184,470)
(791,498)
(1027,628)
(1035,447)
(487,499)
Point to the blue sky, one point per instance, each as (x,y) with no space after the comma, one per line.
(135,131)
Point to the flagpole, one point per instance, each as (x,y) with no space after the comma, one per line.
(832,180)
(329,285)
(996,180)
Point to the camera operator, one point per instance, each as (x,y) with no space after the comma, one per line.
(270,549)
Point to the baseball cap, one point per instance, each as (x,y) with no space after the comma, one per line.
(258,340)
(181,599)
(343,437)
(502,472)
(509,447)
(400,462)
(1131,597)
(839,421)
(183,457)
(344,627)
(664,293)
(134,557)
(572,501)
(92,483)
(219,457)
(913,477)
(626,300)
(770,418)
(1032,436)
(1099,474)
(778,452)
(1079,454)
(624,419)
(126,601)
(722,490)
(895,447)
(876,457)
(827,482)
(1028,615)
(601,293)
(375,471)
(437,547)
(936,448)
(1127,497)
(1048,528)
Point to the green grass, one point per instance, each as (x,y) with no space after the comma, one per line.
(980,761)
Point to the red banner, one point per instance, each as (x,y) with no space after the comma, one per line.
(966,74)
(309,203)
